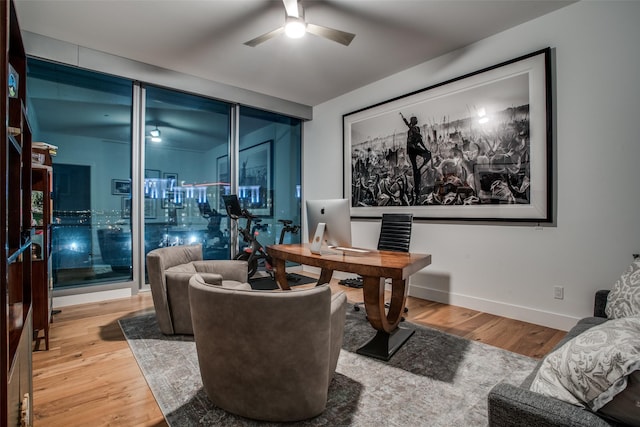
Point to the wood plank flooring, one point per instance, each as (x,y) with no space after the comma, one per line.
(89,376)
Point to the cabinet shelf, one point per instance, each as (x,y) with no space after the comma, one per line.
(41,210)
(16,297)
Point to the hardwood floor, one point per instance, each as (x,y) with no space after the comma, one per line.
(89,376)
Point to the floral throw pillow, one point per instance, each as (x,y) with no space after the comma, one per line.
(594,367)
(624,298)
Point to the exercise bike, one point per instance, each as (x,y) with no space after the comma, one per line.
(254,252)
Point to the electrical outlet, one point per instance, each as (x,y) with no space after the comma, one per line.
(558,292)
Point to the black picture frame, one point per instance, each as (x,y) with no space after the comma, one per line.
(255,179)
(120,186)
(171,175)
(152,173)
(223,182)
(125,213)
(150,208)
(481,145)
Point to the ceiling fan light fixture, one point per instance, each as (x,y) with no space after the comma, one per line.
(295,27)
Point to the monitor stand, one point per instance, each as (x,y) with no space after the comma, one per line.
(318,239)
(352,250)
(316,243)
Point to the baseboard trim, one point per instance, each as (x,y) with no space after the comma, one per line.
(525,314)
(84,298)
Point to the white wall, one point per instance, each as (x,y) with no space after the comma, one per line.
(510,270)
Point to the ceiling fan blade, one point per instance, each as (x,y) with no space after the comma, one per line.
(263,38)
(338,36)
(291,6)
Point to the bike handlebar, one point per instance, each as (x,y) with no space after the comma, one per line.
(287,223)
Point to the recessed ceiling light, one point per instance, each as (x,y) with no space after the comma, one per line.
(155,135)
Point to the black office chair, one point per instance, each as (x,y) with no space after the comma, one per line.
(395,232)
(395,235)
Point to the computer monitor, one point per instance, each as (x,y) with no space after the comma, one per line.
(329,221)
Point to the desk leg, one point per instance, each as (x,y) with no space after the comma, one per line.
(389,337)
(325,276)
(384,344)
(398,302)
(281,274)
(373,290)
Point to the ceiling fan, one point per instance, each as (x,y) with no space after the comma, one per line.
(295,26)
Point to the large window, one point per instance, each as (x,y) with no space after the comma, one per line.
(128,180)
(186,140)
(269,171)
(88,117)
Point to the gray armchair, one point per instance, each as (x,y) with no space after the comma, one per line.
(267,355)
(171,268)
(517,406)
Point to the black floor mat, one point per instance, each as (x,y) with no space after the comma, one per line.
(267,283)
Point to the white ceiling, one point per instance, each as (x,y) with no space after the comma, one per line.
(205,38)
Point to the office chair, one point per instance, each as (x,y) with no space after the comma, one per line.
(395,235)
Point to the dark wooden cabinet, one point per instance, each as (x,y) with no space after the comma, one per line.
(42,285)
(15,228)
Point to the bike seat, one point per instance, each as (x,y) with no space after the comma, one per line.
(285,221)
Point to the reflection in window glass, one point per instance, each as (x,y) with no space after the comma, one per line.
(269,174)
(187,168)
(87,116)
(186,171)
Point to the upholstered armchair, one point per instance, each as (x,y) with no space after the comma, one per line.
(267,355)
(169,271)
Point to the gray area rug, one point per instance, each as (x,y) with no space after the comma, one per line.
(268,283)
(435,379)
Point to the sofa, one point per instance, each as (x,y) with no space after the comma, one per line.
(171,268)
(518,406)
(267,355)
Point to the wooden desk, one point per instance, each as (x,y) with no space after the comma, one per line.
(374,267)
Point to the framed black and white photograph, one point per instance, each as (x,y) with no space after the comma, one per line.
(222,169)
(255,179)
(477,147)
(120,186)
(223,181)
(37,207)
(149,208)
(152,173)
(126,208)
(171,176)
